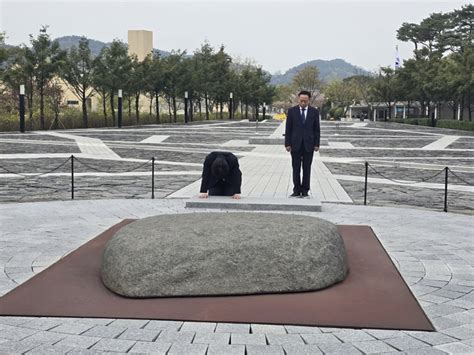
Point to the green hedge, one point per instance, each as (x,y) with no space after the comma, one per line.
(9,122)
(451,124)
(414,121)
(454,124)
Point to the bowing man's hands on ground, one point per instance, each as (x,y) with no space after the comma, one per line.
(288,149)
(316,148)
(236,196)
(203,195)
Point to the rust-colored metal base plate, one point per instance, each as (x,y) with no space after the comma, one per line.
(373,295)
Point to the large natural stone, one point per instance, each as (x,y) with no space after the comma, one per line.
(223,254)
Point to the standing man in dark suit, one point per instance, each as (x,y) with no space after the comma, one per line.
(302,137)
(221,176)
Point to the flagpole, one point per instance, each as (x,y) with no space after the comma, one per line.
(397,58)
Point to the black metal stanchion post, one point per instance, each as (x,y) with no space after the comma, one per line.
(185,107)
(191,108)
(446,170)
(264,109)
(119,118)
(231,105)
(365,184)
(153,177)
(22,108)
(256,121)
(72,177)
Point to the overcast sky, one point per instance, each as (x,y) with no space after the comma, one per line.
(277,35)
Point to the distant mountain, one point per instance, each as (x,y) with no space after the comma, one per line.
(66,42)
(328,70)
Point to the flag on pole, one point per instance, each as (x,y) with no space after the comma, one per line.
(397,58)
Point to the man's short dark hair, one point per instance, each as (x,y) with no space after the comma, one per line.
(220,168)
(304,92)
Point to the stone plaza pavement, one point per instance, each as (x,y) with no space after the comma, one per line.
(406,163)
(434,251)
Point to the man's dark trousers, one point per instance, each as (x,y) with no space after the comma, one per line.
(301,157)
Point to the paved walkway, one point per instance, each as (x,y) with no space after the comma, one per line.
(88,146)
(432,250)
(441,143)
(154,139)
(267,173)
(359,124)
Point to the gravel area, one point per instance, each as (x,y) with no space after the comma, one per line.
(32,148)
(409,196)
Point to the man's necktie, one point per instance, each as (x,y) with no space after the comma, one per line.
(302,115)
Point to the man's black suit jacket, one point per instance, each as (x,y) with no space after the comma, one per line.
(234,177)
(298,133)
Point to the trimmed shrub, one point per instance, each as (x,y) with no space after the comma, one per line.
(451,124)
(454,124)
(71,118)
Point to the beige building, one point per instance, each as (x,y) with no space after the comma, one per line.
(140,43)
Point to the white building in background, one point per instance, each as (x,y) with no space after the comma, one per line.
(401,109)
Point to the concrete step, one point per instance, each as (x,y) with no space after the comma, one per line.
(311,204)
(277,140)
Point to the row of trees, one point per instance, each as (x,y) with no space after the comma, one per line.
(209,76)
(440,72)
(442,68)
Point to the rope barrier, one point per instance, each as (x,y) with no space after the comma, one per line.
(109,170)
(404,182)
(460,178)
(34,175)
